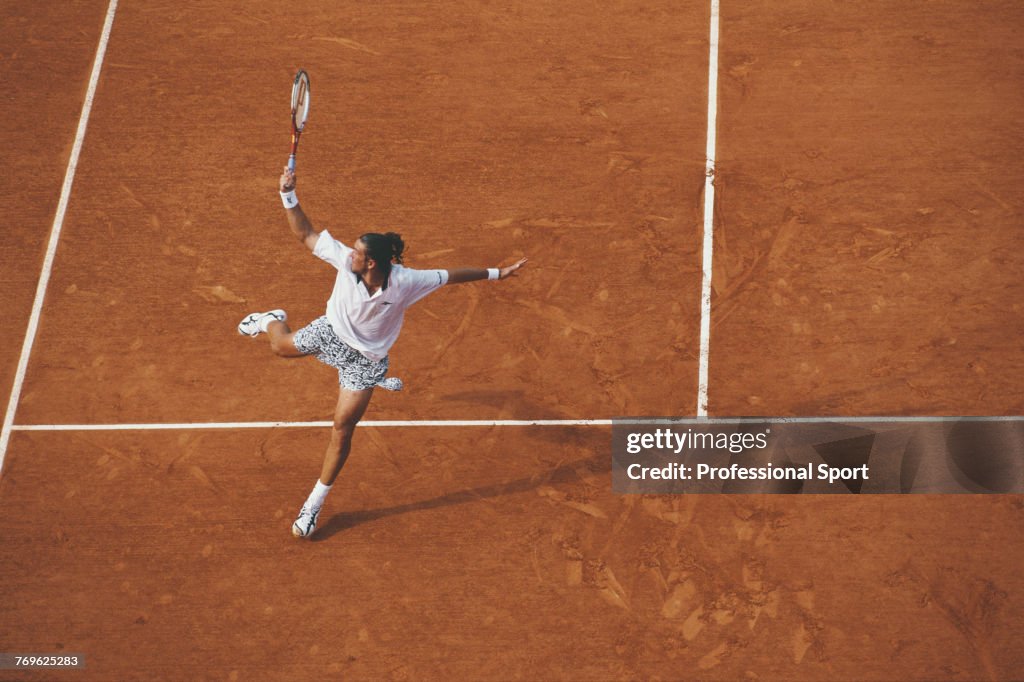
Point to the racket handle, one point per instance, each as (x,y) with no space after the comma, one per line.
(291,163)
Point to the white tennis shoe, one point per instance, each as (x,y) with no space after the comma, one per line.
(255,323)
(305,524)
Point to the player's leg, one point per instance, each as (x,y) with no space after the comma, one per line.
(282,340)
(350,409)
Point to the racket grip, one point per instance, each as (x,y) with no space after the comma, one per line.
(291,163)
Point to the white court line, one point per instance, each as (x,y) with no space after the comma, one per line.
(274,425)
(670,421)
(709,214)
(58,223)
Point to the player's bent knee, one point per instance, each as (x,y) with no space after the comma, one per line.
(284,347)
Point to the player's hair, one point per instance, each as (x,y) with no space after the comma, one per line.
(384,248)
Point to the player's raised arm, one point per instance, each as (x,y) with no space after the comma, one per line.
(474,274)
(297,219)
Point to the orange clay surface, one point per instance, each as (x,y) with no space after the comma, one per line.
(868,260)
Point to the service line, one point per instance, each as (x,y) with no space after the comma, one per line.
(319,424)
(709,215)
(459,423)
(58,223)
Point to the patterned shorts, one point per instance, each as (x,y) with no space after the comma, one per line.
(356,372)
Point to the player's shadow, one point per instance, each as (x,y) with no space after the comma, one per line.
(600,463)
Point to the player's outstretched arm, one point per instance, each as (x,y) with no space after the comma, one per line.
(474,274)
(297,219)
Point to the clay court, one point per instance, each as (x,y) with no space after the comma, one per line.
(868,260)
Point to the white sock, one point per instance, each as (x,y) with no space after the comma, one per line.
(319,494)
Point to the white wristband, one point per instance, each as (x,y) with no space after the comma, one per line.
(289,200)
(493,273)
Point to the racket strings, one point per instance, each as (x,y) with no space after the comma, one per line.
(300,99)
(300,110)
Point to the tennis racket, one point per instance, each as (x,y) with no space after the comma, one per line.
(300,112)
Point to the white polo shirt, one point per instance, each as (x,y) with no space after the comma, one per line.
(371,324)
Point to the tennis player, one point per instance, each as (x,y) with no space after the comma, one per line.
(364,316)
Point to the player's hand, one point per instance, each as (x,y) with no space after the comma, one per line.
(287,182)
(504,273)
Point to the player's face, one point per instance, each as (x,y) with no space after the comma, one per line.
(360,260)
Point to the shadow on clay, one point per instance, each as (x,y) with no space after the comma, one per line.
(598,463)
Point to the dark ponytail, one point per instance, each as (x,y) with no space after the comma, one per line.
(384,248)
